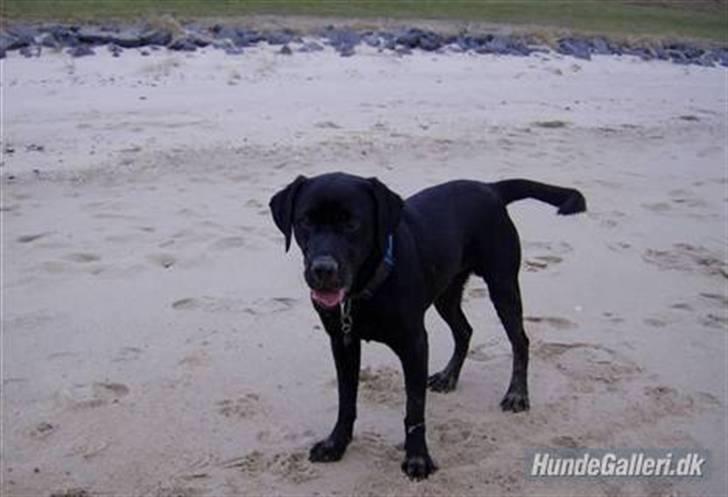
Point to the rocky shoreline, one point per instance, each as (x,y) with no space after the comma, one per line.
(82,40)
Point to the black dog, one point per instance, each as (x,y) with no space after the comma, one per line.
(375,264)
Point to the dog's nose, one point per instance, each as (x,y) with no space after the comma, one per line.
(324,268)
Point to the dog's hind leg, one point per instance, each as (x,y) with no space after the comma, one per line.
(501,275)
(506,298)
(448,305)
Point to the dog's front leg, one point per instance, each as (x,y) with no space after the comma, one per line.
(347,358)
(417,463)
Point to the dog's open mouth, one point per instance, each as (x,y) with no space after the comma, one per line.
(328,298)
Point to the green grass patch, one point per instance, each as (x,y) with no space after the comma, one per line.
(706,19)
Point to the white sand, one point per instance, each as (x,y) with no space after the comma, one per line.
(157,340)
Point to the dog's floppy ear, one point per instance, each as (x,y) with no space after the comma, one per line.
(388,211)
(281,205)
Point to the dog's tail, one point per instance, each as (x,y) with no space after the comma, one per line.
(568,200)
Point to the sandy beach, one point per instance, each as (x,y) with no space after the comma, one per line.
(157,341)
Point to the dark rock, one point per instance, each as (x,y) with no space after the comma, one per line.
(310,46)
(129,40)
(720,55)
(18,36)
(371,39)
(285,50)
(90,35)
(641,52)
(418,38)
(279,37)
(30,51)
(575,47)
(151,36)
(11,42)
(234,50)
(409,38)
(661,54)
(115,50)
(144,53)
(346,51)
(183,45)
(49,41)
(81,51)
(430,41)
(503,45)
(248,38)
(223,32)
(200,40)
(343,40)
(59,36)
(600,46)
(479,43)
(2,53)
(676,56)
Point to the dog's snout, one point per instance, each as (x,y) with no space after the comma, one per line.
(324,267)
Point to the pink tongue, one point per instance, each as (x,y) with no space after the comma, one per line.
(328,299)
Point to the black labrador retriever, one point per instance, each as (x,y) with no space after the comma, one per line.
(375,263)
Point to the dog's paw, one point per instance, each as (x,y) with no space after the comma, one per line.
(418,467)
(442,382)
(515,402)
(328,450)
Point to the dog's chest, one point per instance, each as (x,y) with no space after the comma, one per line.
(370,323)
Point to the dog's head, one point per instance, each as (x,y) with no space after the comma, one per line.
(341,223)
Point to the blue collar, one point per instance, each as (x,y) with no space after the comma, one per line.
(380,274)
(389,253)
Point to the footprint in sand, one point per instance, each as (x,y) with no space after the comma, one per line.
(383,385)
(678,199)
(551,248)
(127,354)
(588,366)
(608,219)
(554,322)
(541,262)
(488,351)
(655,322)
(82,258)
(255,307)
(454,431)
(85,396)
(658,207)
(718,300)
(377,448)
(686,198)
(682,306)
(567,441)
(612,318)
(687,257)
(42,430)
(244,407)
(230,242)
(292,466)
(715,321)
(31,238)
(619,246)
(669,400)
